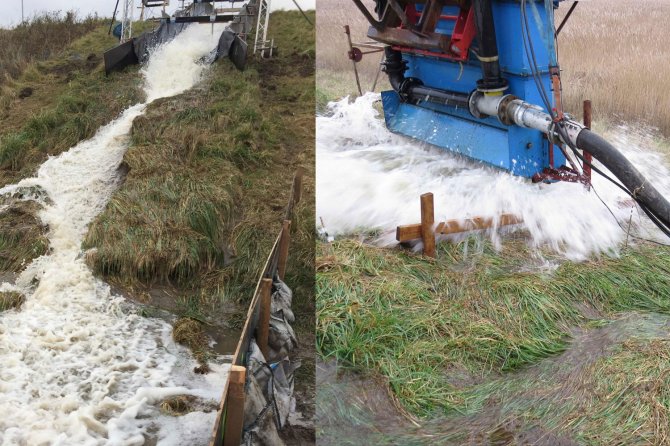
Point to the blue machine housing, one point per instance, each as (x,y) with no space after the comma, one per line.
(523,152)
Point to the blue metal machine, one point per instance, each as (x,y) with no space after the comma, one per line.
(431,57)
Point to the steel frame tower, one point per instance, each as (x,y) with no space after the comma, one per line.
(153,4)
(261,43)
(127,20)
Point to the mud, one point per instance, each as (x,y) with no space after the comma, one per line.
(166,302)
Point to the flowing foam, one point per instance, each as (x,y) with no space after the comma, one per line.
(369,178)
(78,366)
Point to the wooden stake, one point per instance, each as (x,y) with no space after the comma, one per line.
(297,185)
(587,123)
(283,248)
(427,222)
(263,329)
(232,434)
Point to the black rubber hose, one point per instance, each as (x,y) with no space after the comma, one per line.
(442,97)
(394,67)
(488,46)
(643,191)
(412,89)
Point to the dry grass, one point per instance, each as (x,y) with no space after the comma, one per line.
(40,38)
(22,236)
(334,72)
(11,300)
(177,405)
(189,332)
(614,53)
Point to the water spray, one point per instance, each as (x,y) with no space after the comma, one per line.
(482,78)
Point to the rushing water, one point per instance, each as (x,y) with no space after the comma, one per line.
(370,178)
(77,365)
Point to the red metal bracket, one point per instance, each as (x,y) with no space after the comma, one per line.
(464,34)
(355,54)
(563,173)
(461,39)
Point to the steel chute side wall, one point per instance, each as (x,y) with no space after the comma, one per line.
(230,44)
(120,57)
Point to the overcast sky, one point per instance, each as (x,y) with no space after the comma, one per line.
(10,10)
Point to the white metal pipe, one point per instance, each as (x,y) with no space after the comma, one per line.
(529,116)
(510,110)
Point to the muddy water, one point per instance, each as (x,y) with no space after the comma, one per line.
(164,302)
(79,365)
(353,409)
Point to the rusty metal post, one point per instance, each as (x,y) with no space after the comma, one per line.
(232,434)
(263,329)
(587,156)
(427,223)
(283,248)
(379,69)
(351,49)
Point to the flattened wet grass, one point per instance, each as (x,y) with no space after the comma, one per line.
(413,320)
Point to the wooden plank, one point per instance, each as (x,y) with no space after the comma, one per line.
(406,233)
(263,329)
(235,407)
(246,330)
(240,350)
(476,224)
(405,37)
(427,223)
(587,123)
(217,434)
(283,248)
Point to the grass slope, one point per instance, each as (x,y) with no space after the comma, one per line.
(210,173)
(39,38)
(52,101)
(71,98)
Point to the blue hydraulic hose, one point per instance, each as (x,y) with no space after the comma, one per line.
(548,33)
(546,29)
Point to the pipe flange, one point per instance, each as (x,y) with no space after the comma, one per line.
(405,88)
(499,87)
(472,104)
(503,116)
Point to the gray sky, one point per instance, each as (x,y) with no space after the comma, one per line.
(10,10)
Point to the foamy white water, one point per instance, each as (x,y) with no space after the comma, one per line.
(370,178)
(77,365)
